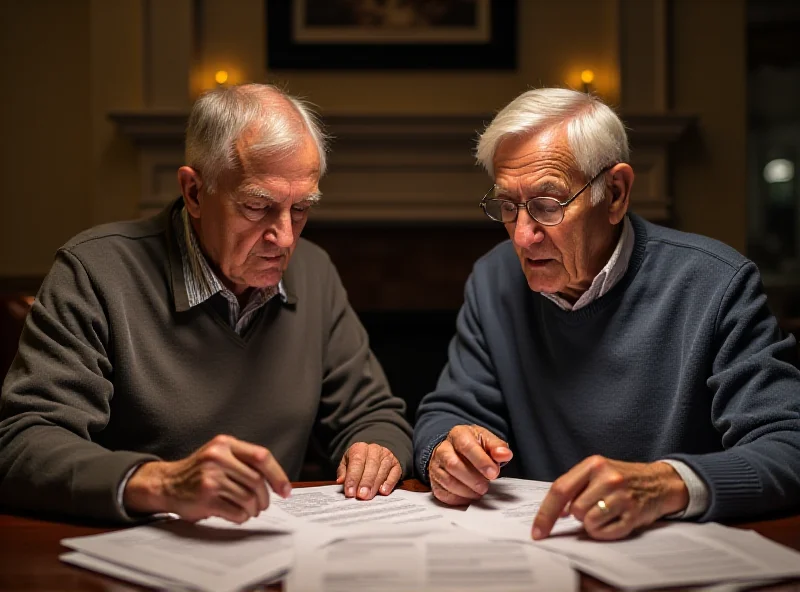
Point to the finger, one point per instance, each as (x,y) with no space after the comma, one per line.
(244,498)
(562,491)
(258,489)
(387,462)
(219,453)
(341,470)
(366,485)
(496,448)
(451,484)
(459,468)
(615,529)
(356,459)
(395,472)
(229,510)
(602,487)
(447,497)
(262,460)
(466,443)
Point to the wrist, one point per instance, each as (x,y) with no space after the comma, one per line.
(675,492)
(144,492)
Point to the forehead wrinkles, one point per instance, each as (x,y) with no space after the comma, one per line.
(544,152)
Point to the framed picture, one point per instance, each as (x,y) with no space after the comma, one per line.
(391,34)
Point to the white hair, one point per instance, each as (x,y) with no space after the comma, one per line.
(595,134)
(221,115)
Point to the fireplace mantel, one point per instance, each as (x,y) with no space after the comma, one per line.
(403,168)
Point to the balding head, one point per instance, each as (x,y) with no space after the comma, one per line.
(274,124)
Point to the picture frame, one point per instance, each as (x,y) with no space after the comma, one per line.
(356,35)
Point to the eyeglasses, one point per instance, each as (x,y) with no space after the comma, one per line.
(545,210)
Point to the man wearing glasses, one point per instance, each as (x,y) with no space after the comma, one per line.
(638,367)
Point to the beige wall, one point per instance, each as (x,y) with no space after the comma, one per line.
(709,80)
(46,130)
(66,166)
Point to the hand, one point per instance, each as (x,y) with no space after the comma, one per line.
(367,469)
(463,464)
(225,478)
(634,495)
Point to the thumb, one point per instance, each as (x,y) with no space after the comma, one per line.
(496,448)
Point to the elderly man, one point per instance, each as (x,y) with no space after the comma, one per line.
(637,366)
(177,364)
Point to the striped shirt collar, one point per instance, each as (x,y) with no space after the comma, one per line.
(202,283)
(608,277)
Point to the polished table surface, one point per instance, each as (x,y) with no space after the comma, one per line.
(29,550)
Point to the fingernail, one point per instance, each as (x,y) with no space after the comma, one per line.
(537,534)
(491,472)
(351,491)
(363,492)
(384,488)
(287,490)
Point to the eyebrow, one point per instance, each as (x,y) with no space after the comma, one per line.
(547,188)
(260,193)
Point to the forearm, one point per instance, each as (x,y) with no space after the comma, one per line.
(48,469)
(751,479)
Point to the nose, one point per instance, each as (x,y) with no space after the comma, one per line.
(527,231)
(281,232)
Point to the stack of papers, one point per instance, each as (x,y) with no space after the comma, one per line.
(320,540)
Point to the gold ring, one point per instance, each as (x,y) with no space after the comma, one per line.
(603,506)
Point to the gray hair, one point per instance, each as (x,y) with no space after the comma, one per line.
(221,115)
(595,134)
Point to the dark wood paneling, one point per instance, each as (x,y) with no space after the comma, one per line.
(404,267)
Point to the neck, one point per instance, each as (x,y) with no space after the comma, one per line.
(572,293)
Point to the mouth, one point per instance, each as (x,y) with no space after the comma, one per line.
(537,263)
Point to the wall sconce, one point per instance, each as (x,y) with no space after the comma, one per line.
(221,77)
(587,77)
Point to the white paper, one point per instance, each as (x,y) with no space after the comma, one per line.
(120,572)
(508,509)
(208,556)
(328,513)
(679,554)
(436,562)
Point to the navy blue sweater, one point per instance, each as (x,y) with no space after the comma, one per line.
(681,359)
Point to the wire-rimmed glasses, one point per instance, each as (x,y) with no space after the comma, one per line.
(544,209)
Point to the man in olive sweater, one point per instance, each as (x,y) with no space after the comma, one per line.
(178,364)
(637,367)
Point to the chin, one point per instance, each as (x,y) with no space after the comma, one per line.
(265,279)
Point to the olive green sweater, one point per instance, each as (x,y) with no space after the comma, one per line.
(114,368)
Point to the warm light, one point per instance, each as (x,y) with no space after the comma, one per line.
(779,170)
(221,77)
(587,76)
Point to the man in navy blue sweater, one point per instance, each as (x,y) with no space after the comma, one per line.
(637,367)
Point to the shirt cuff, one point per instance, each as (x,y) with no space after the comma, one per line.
(425,457)
(697,488)
(122,485)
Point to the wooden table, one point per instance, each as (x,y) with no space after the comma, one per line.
(29,550)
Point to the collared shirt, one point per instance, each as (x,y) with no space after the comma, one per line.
(611,273)
(608,277)
(202,283)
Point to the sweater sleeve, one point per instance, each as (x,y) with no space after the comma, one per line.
(55,397)
(356,403)
(755,385)
(467,392)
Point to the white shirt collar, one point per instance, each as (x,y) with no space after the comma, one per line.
(608,277)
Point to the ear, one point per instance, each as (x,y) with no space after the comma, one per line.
(621,182)
(191,183)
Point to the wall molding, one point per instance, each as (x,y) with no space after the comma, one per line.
(403,168)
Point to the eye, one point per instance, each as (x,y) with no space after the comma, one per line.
(299,211)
